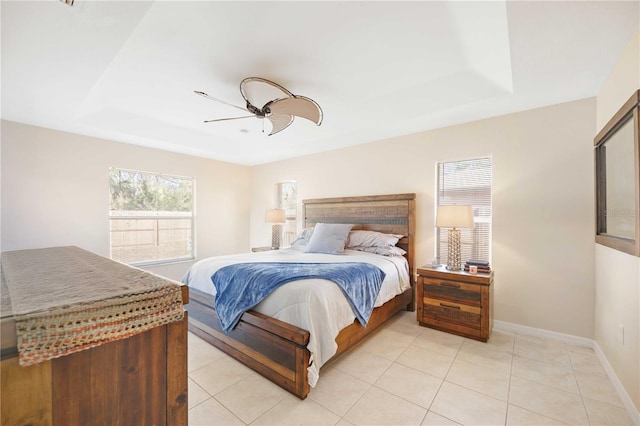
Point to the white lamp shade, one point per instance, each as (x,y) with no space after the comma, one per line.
(275,216)
(454,217)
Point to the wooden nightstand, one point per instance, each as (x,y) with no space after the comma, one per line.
(455,302)
(256,249)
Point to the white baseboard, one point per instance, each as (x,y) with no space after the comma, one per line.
(578,341)
(539,332)
(617,384)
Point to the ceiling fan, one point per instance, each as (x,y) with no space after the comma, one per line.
(266,99)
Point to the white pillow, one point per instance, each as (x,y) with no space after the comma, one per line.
(328,238)
(384,251)
(372,239)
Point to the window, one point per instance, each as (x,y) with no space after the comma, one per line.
(151,217)
(617,158)
(467,182)
(287,198)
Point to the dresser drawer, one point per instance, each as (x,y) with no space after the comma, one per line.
(451,291)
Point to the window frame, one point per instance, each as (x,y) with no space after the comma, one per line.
(630,111)
(440,234)
(158,217)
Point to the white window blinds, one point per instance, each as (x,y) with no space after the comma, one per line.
(467,182)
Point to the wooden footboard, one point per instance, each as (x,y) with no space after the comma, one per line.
(275,349)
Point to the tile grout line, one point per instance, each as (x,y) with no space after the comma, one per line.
(543,384)
(395,362)
(513,355)
(385,370)
(575,377)
(442,383)
(371,385)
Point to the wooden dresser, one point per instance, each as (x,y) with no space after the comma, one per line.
(455,302)
(139,380)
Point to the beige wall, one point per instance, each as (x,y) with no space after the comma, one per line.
(617,273)
(55,192)
(542,198)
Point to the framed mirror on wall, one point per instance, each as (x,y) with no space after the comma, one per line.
(617,167)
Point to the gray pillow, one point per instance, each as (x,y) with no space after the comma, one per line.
(328,238)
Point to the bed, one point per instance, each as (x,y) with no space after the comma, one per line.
(279,350)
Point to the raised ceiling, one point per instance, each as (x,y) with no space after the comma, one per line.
(127,71)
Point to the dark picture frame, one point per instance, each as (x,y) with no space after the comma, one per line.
(617,179)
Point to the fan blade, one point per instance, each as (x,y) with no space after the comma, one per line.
(297,105)
(217,100)
(227,119)
(279,122)
(259,91)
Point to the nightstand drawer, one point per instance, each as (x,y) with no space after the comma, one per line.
(452,291)
(257,249)
(438,309)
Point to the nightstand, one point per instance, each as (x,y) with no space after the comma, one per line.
(455,301)
(255,249)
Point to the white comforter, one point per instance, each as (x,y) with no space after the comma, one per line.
(315,305)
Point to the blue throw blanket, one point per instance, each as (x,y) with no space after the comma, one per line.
(242,286)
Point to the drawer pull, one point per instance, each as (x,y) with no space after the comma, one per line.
(444,305)
(449,285)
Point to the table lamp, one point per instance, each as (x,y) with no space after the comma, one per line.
(276,217)
(454,217)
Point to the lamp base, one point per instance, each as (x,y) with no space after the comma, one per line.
(454,262)
(275,237)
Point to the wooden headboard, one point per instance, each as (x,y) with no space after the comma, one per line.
(391,214)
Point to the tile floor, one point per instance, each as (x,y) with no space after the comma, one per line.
(411,375)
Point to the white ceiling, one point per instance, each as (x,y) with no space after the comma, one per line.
(126,71)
